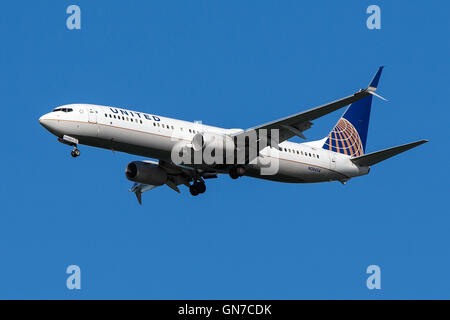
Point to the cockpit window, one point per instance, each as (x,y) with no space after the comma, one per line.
(63,109)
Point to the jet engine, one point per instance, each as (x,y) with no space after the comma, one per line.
(146,173)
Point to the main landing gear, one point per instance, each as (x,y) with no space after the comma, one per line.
(75,152)
(197,187)
(236,172)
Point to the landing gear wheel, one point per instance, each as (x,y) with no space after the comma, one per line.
(201,187)
(193,190)
(240,171)
(197,187)
(75,153)
(236,172)
(233,173)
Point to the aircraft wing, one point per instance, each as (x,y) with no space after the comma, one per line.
(176,175)
(295,124)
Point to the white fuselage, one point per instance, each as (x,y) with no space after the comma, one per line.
(154,136)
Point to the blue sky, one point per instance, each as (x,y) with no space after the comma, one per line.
(230,64)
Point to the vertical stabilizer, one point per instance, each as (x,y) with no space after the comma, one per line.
(349,136)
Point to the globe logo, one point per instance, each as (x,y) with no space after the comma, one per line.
(344,139)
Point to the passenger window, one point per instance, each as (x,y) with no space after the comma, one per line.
(131,119)
(110,116)
(141,121)
(317,156)
(310,154)
(154,124)
(106,115)
(114,116)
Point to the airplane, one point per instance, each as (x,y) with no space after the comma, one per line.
(339,156)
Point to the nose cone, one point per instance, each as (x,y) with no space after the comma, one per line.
(49,122)
(44,120)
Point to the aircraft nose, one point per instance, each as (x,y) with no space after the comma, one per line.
(43,120)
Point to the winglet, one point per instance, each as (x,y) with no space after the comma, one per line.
(377,95)
(374,83)
(139,196)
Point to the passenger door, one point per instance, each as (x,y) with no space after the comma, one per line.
(92,115)
(332,160)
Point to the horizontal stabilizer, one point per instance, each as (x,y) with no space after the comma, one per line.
(378,156)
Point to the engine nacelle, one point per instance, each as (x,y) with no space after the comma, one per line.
(147,173)
(213,141)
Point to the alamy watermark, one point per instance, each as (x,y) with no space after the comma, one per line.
(374,280)
(374,20)
(73,281)
(256,148)
(74,20)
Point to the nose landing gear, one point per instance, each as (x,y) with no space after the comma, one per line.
(71,141)
(75,152)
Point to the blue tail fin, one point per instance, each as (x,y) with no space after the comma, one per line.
(349,136)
